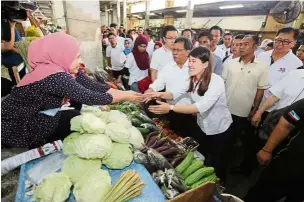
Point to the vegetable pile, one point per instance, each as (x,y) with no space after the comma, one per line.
(194,172)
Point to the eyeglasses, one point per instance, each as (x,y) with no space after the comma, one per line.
(171,39)
(177,50)
(284,42)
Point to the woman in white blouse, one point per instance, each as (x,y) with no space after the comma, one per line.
(207,99)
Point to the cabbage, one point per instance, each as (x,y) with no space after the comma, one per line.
(92,146)
(120,157)
(68,143)
(92,110)
(54,188)
(117,133)
(136,138)
(76,167)
(116,116)
(93,186)
(88,123)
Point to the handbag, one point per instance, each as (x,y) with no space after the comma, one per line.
(272,120)
(144,84)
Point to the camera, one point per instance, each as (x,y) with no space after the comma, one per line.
(13,11)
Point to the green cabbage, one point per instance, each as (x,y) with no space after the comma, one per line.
(68,143)
(92,146)
(136,138)
(117,133)
(88,123)
(91,109)
(120,157)
(116,116)
(76,167)
(93,186)
(54,188)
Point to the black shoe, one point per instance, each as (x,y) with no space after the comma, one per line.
(239,170)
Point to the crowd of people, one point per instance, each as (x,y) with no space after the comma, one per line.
(220,94)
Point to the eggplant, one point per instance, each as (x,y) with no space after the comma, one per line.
(170,152)
(162,148)
(150,136)
(159,142)
(160,162)
(149,126)
(152,140)
(177,160)
(141,158)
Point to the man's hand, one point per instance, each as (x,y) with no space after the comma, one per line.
(264,157)
(256,119)
(132,96)
(148,91)
(252,113)
(162,108)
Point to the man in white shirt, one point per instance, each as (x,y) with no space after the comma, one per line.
(235,49)
(216,33)
(119,39)
(150,48)
(281,60)
(140,31)
(115,57)
(163,56)
(227,44)
(246,79)
(175,76)
(204,40)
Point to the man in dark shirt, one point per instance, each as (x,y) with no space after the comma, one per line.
(284,176)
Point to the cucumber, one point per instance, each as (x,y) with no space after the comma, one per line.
(143,131)
(136,122)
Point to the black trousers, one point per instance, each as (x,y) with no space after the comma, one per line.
(283,177)
(243,130)
(216,149)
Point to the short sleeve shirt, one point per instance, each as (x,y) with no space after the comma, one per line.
(161,57)
(117,56)
(242,81)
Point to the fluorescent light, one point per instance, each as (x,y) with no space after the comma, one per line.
(152,14)
(181,11)
(232,6)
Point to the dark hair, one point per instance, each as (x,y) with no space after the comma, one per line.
(149,32)
(270,44)
(140,27)
(186,41)
(113,25)
(205,55)
(228,34)
(205,33)
(187,30)
(216,28)
(255,38)
(168,29)
(239,36)
(110,34)
(287,30)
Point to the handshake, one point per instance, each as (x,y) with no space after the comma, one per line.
(149,95)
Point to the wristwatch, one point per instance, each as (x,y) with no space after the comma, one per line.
(171,108)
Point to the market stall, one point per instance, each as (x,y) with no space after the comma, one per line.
(117,153)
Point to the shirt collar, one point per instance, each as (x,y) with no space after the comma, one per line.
(252,61)
(184,65)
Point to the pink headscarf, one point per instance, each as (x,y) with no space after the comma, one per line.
(49,55)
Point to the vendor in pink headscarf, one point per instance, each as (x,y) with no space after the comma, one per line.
(31,114)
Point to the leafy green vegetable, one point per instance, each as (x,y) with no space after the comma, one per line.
(54,188)
(103,115)
(75,167)
(88,123)
(116,116)
(120,157)
(93,186)
(68,143)
(92,146)
(136,138)
(118,133)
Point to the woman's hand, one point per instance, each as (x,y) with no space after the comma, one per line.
(162,108)
(256,119)
(151,95)
(132,96)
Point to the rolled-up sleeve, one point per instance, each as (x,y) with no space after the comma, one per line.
(159,83)
(278,88)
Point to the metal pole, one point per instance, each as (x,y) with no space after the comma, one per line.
(118,12)
(147,14)
(189,15)
(66,16)
(125,20)
(106,16)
